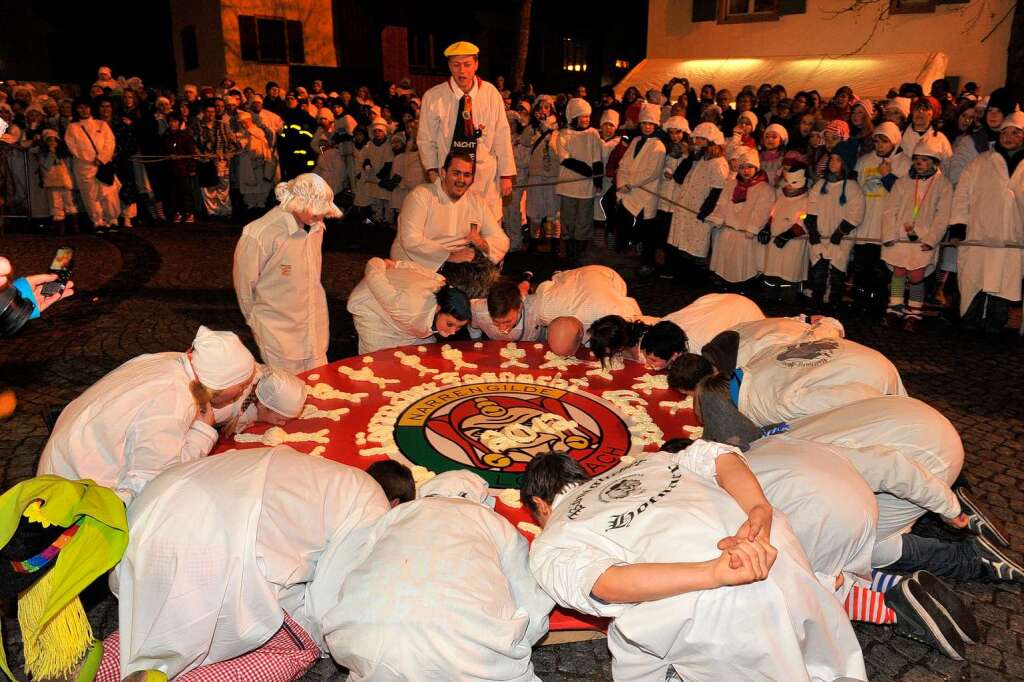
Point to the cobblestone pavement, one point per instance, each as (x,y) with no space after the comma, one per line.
(148,290)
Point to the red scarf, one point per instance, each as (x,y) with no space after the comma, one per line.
(739,192)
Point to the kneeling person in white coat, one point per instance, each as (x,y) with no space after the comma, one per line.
(152,412)
(277,271)
(225,552)
(640,545)
(401,303)
(444,592)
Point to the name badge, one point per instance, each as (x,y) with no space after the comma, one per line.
(286,270)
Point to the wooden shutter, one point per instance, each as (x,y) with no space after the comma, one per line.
(795,6)
(705,10)
(296,48)
(248,41)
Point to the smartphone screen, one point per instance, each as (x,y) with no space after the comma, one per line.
(63,260)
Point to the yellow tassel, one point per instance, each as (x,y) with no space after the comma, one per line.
(59,645)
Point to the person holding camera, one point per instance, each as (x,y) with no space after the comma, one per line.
(25,298)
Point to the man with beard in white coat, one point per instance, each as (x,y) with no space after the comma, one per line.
(640,545)
(401,303)
(445,222)
(443,590)
(467,113)
(277,271)
(152,412)
(987,209)
(226,552)
(560,310)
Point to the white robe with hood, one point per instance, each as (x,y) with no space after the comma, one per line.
(935,195)
(668,508)
(220,549)
(757,335)
(686,232)
(395,306)
(991,204)
(442,591)
(830,214)
(129,426)
(736,255)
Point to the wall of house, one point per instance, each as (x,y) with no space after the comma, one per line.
(205,16)
(394,48)
(955,29)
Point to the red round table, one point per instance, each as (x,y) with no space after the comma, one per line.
(436,412)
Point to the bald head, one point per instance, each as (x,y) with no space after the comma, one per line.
(565,335)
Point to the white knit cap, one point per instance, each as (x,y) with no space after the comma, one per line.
(577,107)
(710,132)
(458,484)
(901,103)
(748,116)
(3,126)
(308,192)
(889,130)
(610,116)
(379,123)
(650,113)
(1014,120)
(748,156)
(929,145)
(780,131)
(219,359)
(282,392)
(326,113)
(677,123)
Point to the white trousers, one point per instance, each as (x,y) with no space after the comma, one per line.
(101,201)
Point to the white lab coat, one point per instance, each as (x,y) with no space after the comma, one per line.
(129,426)
(686,232)
(607,146)
(991,204)
(935,195)
(831,509)
(409,167)
(737,255)
(911,137)
(907,451)
(712,314)
(277,282)
(585,146)
(668,187)
(668,508)
(394,306)
(586,293)
(494,158)
(786,382)
(790,262)
(757,335)
(830,213)
(444,593)
(638,170)
(528,328)
(431,226)
(220,549)
(876,196)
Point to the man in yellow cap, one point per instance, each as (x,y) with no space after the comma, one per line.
(467,113)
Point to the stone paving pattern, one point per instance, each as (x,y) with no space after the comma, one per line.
(149,289)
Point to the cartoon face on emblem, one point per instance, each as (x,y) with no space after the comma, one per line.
(467,423)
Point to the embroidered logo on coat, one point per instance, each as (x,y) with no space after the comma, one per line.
(808,353)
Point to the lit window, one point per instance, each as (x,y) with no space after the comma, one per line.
(621,64)
(271,40)
(574,55)
(734,11)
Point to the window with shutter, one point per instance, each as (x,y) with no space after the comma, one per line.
(705,10)
(795,7)
(272,40)
(911,6)
(273,43)
(739,11)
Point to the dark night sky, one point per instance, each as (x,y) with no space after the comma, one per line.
(66,41)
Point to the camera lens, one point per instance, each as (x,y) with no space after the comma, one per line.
(15,310)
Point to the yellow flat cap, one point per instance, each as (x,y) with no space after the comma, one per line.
(461,49)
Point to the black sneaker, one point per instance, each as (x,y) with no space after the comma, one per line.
(919,617)
(998,567)
(980,521)
(951,605)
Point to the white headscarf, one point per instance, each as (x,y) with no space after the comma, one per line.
(282,392)
(308,192)
(458,484)
(219,359)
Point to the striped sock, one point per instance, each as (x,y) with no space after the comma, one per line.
(883,582)
(897,287)
(868,606)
